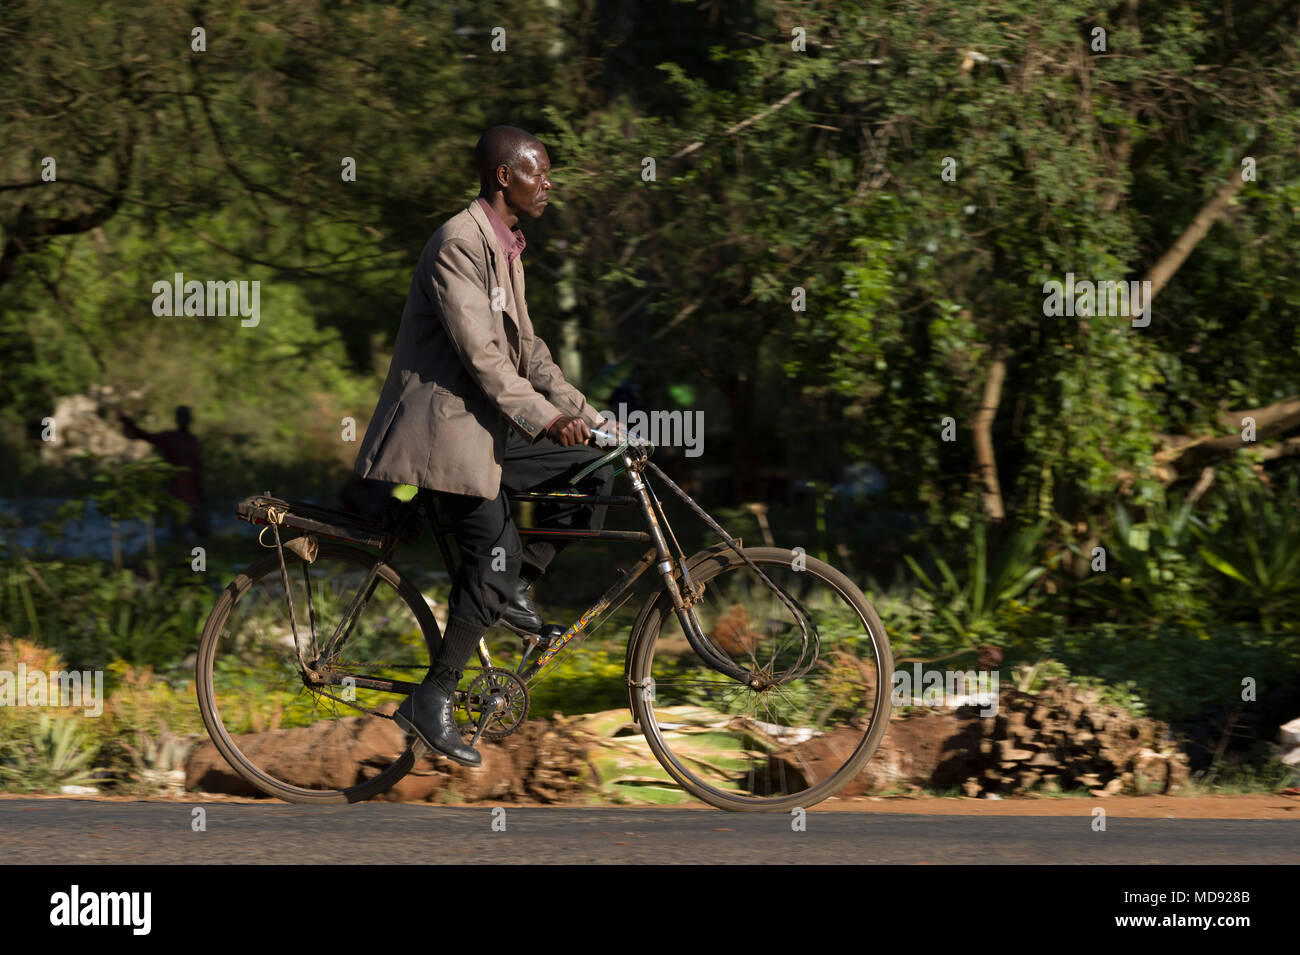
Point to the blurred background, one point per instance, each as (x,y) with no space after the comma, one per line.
(825,226)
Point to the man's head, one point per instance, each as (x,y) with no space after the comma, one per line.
(183,417)
(514,163)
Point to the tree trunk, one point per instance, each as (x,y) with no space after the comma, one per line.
(1209,214)
(1182,456)
(986,464)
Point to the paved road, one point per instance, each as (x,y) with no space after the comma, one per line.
(81,831)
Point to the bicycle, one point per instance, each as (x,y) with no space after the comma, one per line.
(775,658)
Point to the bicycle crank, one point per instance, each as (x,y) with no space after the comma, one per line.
(496,703)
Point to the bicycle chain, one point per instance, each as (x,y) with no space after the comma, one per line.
(458,697)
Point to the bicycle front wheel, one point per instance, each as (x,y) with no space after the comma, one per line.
(304,738)
(805,730)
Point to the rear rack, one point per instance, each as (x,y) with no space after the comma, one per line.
(325,521)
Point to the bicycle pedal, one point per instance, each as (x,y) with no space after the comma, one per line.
(503,622)
(549,634)
(487,714)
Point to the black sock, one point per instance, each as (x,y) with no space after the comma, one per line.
(459,639)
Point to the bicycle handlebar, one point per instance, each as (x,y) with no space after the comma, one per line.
(620,445)
(627,441)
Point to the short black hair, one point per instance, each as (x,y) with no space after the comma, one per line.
(500,145)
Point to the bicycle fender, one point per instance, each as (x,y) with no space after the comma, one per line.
(691,563)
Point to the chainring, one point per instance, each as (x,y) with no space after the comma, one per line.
(504,685)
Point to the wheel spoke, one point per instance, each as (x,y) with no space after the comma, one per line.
(250,679)
(791,740)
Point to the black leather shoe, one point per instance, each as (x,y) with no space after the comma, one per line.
(427,713)
(520,614)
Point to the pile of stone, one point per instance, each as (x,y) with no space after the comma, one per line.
(1063,739)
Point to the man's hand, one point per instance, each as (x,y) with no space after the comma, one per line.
(610,427)
(568,430)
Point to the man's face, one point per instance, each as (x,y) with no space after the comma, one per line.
(526,192)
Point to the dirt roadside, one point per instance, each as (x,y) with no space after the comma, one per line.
(1254,806)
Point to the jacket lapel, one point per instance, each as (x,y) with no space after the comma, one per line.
(500,271)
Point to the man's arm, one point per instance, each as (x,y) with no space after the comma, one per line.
(134,432)
(467,314)
(548,379)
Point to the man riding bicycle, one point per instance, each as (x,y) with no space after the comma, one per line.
(474,408)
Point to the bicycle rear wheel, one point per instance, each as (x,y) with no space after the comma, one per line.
(287,734)
(790,744)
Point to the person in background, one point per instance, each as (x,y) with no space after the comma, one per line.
(180,448)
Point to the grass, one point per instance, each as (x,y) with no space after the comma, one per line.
(1240,779)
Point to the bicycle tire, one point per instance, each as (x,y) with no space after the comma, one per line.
(658,626)
(219,625)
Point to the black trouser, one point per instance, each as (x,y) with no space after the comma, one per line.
(491,555)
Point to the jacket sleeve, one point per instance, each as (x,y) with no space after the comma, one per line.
(548,379)
(462,299)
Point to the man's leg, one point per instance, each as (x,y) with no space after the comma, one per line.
(545,465)
(541,466)
(489,565)
(490,554)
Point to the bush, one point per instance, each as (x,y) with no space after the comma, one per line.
(92,614)
(40,752)
(586,681)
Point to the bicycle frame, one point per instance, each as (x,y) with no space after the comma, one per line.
(612,596)
(659,555)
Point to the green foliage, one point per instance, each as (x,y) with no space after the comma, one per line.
(1149,571)
(41,754)
(587,680)
(1031,678)
(972,608)
(1258,550)
(1172,669)
(818,170)
(92,613)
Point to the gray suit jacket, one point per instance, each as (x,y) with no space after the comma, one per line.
(463,371)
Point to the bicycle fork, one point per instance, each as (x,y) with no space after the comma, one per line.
(684,608)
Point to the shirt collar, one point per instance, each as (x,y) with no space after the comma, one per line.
(512,241)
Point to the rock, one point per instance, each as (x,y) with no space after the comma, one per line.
(1290,732)
(89,423)
(330,754)
(929,749)
(1008,752)
(542,762)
